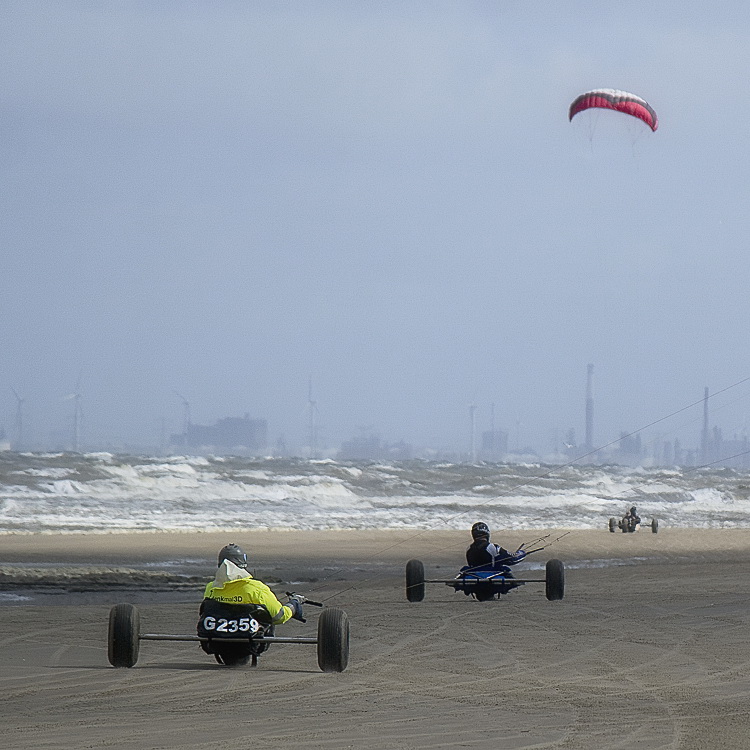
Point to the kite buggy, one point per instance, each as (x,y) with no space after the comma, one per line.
(236,621)
(234,633)
(484,585)
(490,580)
(631,522)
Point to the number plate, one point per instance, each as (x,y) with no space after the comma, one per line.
(225,626)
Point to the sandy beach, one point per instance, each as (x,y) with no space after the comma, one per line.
(648,649)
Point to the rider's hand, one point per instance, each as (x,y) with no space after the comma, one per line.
(295,604)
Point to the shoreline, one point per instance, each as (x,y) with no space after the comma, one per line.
(389,543)
(180,561)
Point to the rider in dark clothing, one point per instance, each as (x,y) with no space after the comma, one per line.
(631,520)
(484,554)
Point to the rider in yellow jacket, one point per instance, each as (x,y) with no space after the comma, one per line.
(235,585)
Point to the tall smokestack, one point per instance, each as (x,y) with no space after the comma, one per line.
(704,431)
(472,442)
(589,409)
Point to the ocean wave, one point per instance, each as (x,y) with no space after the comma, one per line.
(102,492)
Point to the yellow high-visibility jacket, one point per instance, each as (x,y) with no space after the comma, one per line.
(233,585)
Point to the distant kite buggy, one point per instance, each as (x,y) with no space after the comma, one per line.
(620,101)
(631,522)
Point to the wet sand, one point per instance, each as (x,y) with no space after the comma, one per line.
(650,647)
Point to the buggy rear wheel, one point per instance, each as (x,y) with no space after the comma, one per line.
(613,525)
(415,581)
(124,629)
(228,658)
(654,526)
(333,640)
(555,580)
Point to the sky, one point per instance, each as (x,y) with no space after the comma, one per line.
(233,200)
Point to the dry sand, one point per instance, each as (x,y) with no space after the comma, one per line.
(649,648)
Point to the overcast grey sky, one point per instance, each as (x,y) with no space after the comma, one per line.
(226,198)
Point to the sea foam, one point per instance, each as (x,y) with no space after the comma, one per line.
(102,492)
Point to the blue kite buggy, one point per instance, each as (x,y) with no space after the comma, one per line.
(485,582)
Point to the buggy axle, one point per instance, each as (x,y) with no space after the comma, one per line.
(255,639)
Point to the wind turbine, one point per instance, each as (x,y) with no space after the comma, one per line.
(312,409)
(186,426)
(77,415)
(19,420)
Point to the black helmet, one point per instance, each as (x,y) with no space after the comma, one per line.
(480,529)
(633,511)
(234,554)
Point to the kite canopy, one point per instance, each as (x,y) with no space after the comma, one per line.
(621,101)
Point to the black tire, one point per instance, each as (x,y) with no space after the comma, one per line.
(333,640)
(232,658)
(484,593)
(124,629)
(654,526)
(555,580)
(415,581)
(625,526)
(613,525)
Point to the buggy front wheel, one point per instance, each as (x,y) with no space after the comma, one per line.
(123,641)
(555,580)
(333,640)
(415,581)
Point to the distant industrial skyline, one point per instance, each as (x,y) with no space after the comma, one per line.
(481,443)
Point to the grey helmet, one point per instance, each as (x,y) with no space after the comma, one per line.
(234,554)
(480,530)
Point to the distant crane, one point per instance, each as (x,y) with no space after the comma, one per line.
(19,420)
(186,424)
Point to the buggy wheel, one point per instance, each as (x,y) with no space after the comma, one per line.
(124,629)
(555,580)
(613,525)
(484,593)
(333,640)
(624,525)
(229,658)
(415,581)
(654,526)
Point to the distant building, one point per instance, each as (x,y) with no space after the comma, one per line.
(494,445)
(369,447)
(240,435)
(714,450)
